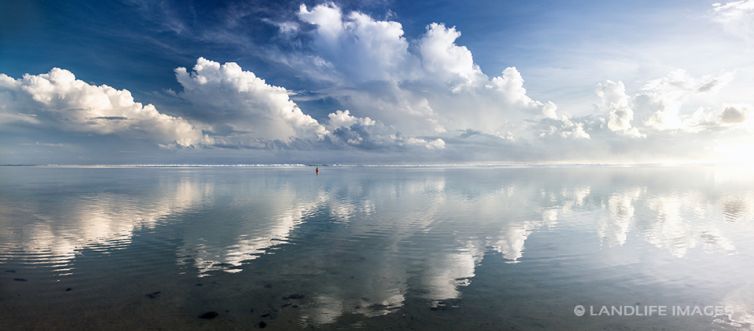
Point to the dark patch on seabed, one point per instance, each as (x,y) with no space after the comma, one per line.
(209,315)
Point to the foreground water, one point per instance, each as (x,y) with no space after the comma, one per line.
(401,248)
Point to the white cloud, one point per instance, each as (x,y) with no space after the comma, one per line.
(427,86)
(327,18)
(244,111)
(664,104)
(616,103)
(343,118)
(511,86)
(227,96)
(729,116)
(430,86)
(737,17)
(663,98)
(549,110)
(368,133)
(444,60)
(362,49)
(563,127)
(428,144)
(59,101)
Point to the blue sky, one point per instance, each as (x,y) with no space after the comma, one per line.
(375,81)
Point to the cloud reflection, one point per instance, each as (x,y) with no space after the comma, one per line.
(375,237)
(56,232)
(258,219)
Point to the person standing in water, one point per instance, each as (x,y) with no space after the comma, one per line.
(316,171)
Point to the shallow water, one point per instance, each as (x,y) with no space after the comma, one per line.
(402,248)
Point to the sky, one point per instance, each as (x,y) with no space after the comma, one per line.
(369,82)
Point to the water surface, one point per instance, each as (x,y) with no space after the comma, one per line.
(373,247)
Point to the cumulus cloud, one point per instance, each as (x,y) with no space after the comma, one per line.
(365,49)
(427,86)
(229,97)
(365,132)
(243,110)
(663,98)
(57,100)
(343,118)
(674,103)
(228,107)
(444,60)
(616,103)
(510,85)
(729,116)
(431,86)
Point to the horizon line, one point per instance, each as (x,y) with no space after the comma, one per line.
(385,165)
